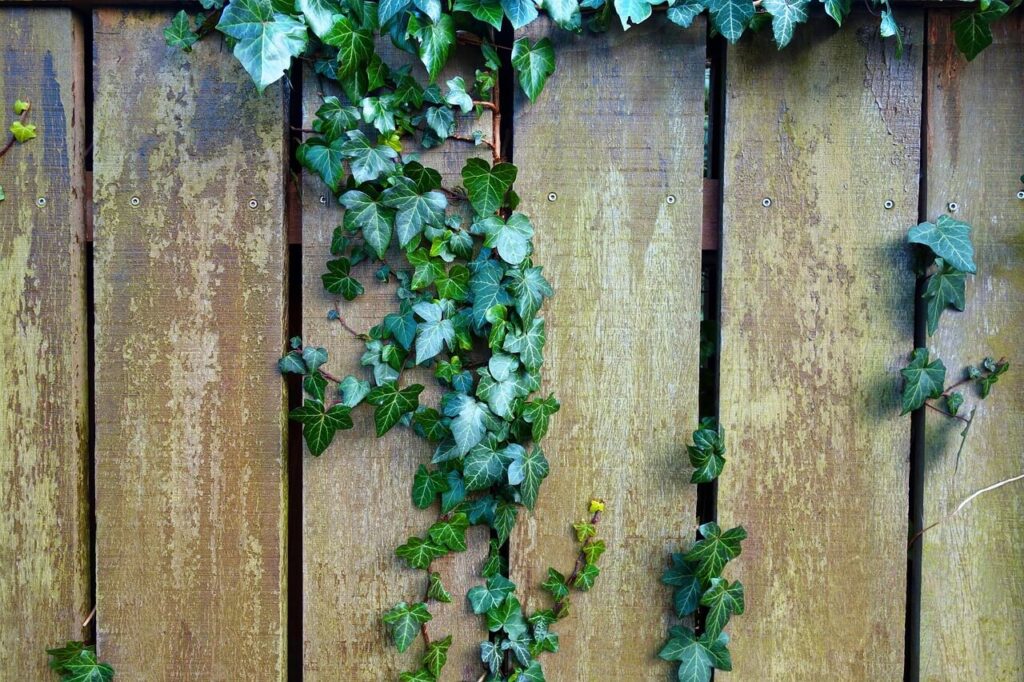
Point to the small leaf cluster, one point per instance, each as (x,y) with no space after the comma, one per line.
(696,576)
(21,131)
(946,255)
(76,662)
(972,30)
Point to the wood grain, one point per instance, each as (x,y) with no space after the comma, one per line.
(817,318)
(356,496)
(972,596)
(612,139)
(44,440)
(190,305)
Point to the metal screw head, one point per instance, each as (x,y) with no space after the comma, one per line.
(41,201)
(1020,195)
(953,207)
(670,199)
(552,196)
(889,203)
(766,202)
(323,199)
(135,201)
(253,203)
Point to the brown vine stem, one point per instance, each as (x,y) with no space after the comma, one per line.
(581,560)
(963,504)
(464,138)
(947,414)
(350,330)
(10,142)
(486,105)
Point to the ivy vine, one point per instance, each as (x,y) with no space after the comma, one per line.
(21,132)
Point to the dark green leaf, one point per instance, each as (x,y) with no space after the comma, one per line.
(711,554)
(435,41)
(949,239)
(392,403)
(451,533)
(786,14)
(368,161)
(946,287)
(371,217)
(266,40)
(586,577)
(337,279)
(681,575)
(556,585)
(354,43)
(483,598)
(528,471)
(179,33)
(319,14)
(504,520)
(487,186)
(426,485)
(535,62)
(437,655)
(418,553)
(319,425)
(922,380)
(323,158)
(538,413)
(507,616)
(404,622)
(730,17)
(697,656)
(436,590)
(487,11)
(723,600)
(519,12)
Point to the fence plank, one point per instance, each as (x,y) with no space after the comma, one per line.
(622,329)
(817,316)
(356,503)
(44,555)
(190,311)
(972,597)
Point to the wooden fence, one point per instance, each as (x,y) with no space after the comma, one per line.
(145,459)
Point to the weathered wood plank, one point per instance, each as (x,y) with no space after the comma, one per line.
(356,502)
(817,317)
(972,595)
(44,554)
(612,139)
(190,305)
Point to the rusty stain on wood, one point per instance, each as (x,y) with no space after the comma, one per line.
(190,306)
(817,318)
(356,496)
(972,594)
(622,328)
(44,551)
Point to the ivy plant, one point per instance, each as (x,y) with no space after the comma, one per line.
(21,132)
(76,662)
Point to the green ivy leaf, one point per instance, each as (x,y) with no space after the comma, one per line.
(707,454)
(454,284)
(427,269)
(584,530)
(75,662)
(404,623)
(435,41)
(923,380)
(487,290)
(319,424)
(697,656)
(586,577)
(682,13)
(370,216)
(492,656)
(21,106)
(555,584)
(387,9)
(392,403)
(337,279)
(519,12)
(353,390)
(426,486)
(484,466)
(483,598)
(437,655)
(948,239)
(487,186)
(354,43)
(971,30)
(319,14)
(723,600)
(946,287)
(730,17)
(528,471)
(334,119)
(451,533)
(178,34)
(716,549)
(421,675)
(507,616)
(535,62)
(504,520)
(954,401)
(415,209)
(538,413)
(292,364)
(469,420)
(635,11)
(511,238)
(565,13)
(368,161)
(532,673)
(593,551)
(433,333)
(418,553)
(436,591)
(786,14)
(838,10)
(529,288)
(528,345)
(325,158)
(687,594)
(23,132)
(266,39)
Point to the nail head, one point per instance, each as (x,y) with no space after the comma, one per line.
(1020,195)
(323,199)
(253,203)
(766,202)
(552,196)
(41,201)
(670,199)
(135,201)
(953,207)
(889,203)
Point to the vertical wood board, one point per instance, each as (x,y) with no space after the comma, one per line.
(44,440)
(606,144)
(190,306)
(817,318)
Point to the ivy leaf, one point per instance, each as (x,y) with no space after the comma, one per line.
(368,161)
(519,12)
(492,657)
(354,43)
(697,656)
(469,420)
(436,590)
(954,401)
(786,14)
(716,549)
(723,600)
(325,158)
(435,42)
(427,269)
(392,403)
(529,288)
(334,119)
(487,186)
(451,533)
(971,30)
(485,286)
(426,485)
(421,675)
(923,380)
(484,466)
(337,279)
(682,13)
(504,520)
(20,107)
(457,95)
(707,454)
(556,585)
(946,287)
(404,622)
(538,413)
(23,132)
(178,34)
(730,17)
(387,9)
(353,390)
(437,655)
(507,616)
(266,39)
(837,9)
(454,284)
(511,238)
(528,345)
(415,208)
(76,662)
(487,11)
(483,598)
(319,425)
(292,364)
(314,357)
(634,11)
(371,217)
(565,13)
(681,576)
(532,673)
(534,63)
(593,551)
(319,14)
(949,239)
(433,333)
(418,553)
(528,471)
(455,494)
(584,530)
(888,28)
(586,577)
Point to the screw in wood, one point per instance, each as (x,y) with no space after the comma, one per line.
(766,202)
(41,201)
(552,196)
(253,203)
(1020,195)
(670,199)
(889,203)
(135,201)
(953,207)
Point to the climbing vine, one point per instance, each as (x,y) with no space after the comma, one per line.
(21,131)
